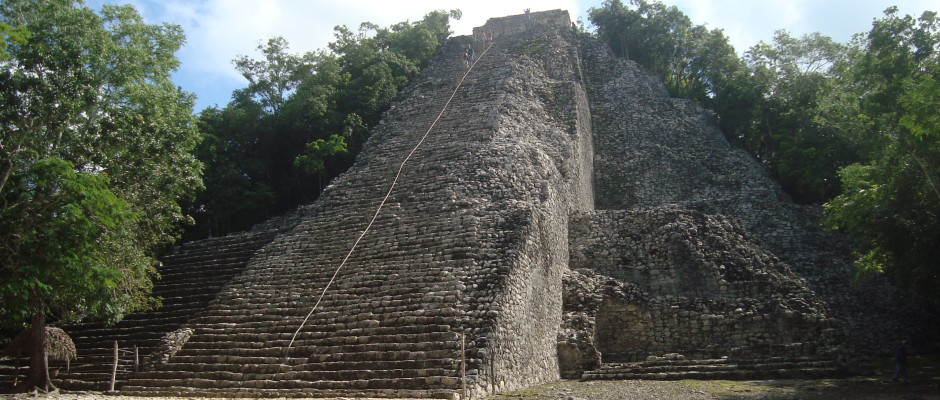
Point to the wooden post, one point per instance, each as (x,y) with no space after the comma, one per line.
(492,368)
(16,371)
(114,368)
(136,360)
(463,365)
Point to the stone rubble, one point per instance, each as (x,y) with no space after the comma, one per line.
(169,345)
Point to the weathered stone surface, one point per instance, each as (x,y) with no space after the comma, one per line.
(651,152)
(699,285)
(472,242)
(170,343)
(563,214)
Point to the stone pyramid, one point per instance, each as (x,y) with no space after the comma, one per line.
(563,217)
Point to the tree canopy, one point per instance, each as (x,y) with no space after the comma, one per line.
(889,92)
(95,152)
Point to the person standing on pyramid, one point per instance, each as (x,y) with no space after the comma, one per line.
(469,55)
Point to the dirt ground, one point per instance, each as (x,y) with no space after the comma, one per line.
(677,390)
(924,385)
(727,390)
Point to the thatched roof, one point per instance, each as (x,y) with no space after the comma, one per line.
(59,345)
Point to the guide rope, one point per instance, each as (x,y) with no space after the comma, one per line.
(387,195)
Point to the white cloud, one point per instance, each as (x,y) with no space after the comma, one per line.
(219,30)
(745,22)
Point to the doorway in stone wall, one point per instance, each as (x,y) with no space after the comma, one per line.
(623,331)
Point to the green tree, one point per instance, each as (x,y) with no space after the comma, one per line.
(790,76)
(10,36)
(766,102)
(890,202)
(312,161)
(236,191)
(302,118)
(271,79)
(96,149)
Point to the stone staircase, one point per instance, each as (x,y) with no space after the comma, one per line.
(191,278)
(387,326)
(454,253)
(385,329)
(464,255)
(240,348)
(721,368)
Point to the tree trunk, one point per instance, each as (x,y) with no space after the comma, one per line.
(38,375)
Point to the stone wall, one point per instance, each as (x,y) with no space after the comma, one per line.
(705,289)
(542,142)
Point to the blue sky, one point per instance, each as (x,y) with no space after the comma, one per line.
(219,30)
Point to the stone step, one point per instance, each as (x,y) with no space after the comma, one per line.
(171,316)
(343,313)
(100,368)
(297,390)
(192,289)
(363,353)
(276,329)
(807,373)
(717,367)
(225,380)
(718,361)
(147,330)
(201,343)
(178,262)
(186,271)
(187,262)
(91,383)
(176,305)
(312,351)
(168,314)
(778,367)
(348,371)
(105,354)
(210,272)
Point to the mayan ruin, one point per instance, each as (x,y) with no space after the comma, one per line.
(564,218)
